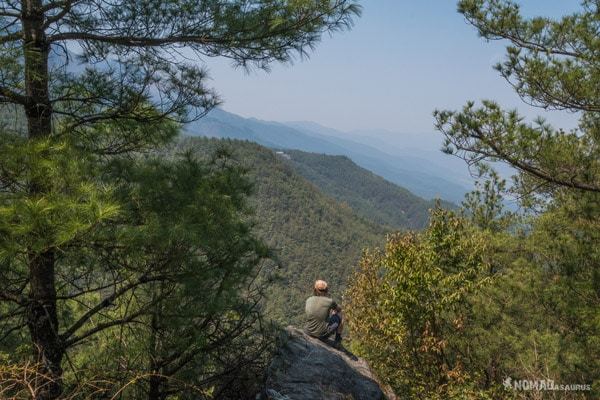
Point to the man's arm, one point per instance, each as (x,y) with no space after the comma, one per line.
(335,306)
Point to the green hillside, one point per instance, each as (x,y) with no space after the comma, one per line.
(369,195)
(423,176)
(313,235)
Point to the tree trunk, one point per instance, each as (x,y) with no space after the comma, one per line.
(36,49)
(157,381)
(43,325)
(41,312)
(155,388)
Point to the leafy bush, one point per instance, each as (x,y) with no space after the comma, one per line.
(409,308)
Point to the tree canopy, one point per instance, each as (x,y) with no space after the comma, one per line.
(94,87)
(552,64)
(529,311)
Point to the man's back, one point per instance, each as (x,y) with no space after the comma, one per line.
(317,312)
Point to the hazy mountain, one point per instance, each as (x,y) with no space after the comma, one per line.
(423,150)
(419,152)
(417,175)
(369,195)
(221,124)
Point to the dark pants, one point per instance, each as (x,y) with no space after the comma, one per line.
(333,324)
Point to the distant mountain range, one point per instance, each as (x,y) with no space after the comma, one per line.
(318,213)
(425,173)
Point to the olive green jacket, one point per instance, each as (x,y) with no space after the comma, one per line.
(317,313)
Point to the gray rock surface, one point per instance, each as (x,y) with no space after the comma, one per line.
(305,368)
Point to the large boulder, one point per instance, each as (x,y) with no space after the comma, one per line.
(306,368)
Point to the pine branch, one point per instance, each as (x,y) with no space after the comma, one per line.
(106,302)
(11,95)
(529,168)
(100,327)
(15,297)
(132,41)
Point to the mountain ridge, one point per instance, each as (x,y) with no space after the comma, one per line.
(312,235)
(368,194)
(221,124)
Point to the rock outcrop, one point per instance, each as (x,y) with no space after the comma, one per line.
(306,368)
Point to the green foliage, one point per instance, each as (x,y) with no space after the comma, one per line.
(95,237)
(369,195)
(202,318)
(71,206)
(409,311)
(566,244)
(455,310)
(552,64)
(152,249)
(539,318)
(312,236)
(485,204)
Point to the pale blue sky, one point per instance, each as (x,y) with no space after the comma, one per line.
(402,60)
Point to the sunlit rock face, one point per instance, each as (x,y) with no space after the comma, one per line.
(306,368)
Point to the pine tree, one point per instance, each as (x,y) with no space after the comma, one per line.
(119,95)
(552,64)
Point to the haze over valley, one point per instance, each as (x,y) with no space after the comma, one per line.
(299,199)
(425,171)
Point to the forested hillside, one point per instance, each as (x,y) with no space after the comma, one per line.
(367,194)
(137,263)
(491,304)
(421,176)
(313,236)
(125,274)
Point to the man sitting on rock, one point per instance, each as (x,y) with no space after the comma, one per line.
(323,315)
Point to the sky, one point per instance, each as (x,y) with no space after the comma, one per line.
(400,62)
